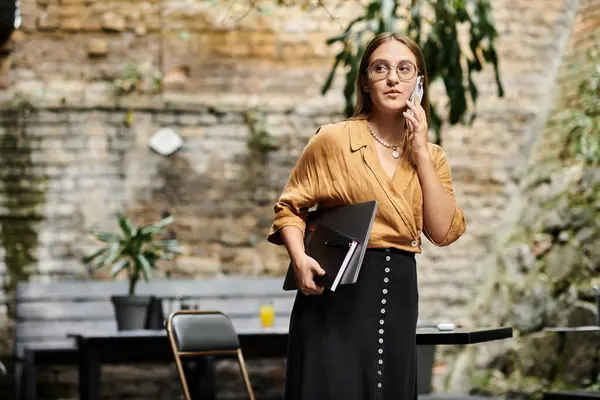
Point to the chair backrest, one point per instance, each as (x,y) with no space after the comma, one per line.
(196,331)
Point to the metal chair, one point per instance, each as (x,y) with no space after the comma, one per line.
(194,333)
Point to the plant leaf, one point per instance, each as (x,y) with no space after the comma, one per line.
(151,256)
(118,267)
(106,237)
(331,75)
(111,255)
(146,266)
(127,226)
(168,246)
(91,257)
(157,227)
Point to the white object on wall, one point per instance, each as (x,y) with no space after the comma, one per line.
(165,141)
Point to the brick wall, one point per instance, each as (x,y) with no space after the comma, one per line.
(86,164)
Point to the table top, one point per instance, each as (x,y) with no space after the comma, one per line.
(591,328)
(431,336)
(425,336)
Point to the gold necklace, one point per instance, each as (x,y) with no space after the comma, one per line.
(395,152)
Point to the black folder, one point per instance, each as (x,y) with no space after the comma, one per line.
(354,221)
(333,251)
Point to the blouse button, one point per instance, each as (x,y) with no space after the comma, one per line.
(379,385)
(387,270)
(414,243)
(388,258)
(384,291)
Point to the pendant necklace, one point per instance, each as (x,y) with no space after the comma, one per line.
(395,152)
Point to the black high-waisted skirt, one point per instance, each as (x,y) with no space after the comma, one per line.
(359,342)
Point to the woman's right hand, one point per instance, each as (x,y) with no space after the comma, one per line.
(305,270)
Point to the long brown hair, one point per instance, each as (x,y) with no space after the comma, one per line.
(364,105)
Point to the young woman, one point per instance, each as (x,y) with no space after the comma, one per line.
(358,343)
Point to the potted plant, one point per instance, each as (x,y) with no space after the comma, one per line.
(134,251)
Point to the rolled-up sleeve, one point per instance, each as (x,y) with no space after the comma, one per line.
(306,186)
(459,223)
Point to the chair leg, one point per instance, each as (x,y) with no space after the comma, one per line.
(180,370)
(245,373)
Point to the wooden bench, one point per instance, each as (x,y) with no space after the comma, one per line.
(47,312)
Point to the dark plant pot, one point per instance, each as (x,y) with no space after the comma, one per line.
(137,312)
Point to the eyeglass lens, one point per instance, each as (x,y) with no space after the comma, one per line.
(381,69)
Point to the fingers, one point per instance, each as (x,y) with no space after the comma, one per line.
(422,113)
(413,122)
(414,109)
(307,285)
(417,109)
(318,270)
(416,120)
(311,285)
(311,288)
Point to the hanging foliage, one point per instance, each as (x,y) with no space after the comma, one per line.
(434,25)
(438,26)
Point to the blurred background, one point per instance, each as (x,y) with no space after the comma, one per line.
(199,110)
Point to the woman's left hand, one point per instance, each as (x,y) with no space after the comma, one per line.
(418,131)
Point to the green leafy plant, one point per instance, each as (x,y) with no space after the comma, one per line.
(135,250)
(434,25)
(582,119)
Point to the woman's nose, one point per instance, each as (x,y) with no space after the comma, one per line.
(392,78)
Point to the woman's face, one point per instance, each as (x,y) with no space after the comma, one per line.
(391,76)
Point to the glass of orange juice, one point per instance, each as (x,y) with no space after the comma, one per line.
(267,315)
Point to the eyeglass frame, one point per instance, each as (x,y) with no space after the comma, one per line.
(370,74)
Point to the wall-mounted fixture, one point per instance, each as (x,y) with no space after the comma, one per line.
(165,141)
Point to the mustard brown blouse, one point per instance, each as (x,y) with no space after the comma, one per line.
(340,165)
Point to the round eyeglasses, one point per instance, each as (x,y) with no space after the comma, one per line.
(380,70)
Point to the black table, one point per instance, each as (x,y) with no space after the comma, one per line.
(567,329)
(154,346)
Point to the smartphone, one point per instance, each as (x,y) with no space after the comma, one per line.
(415,97)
